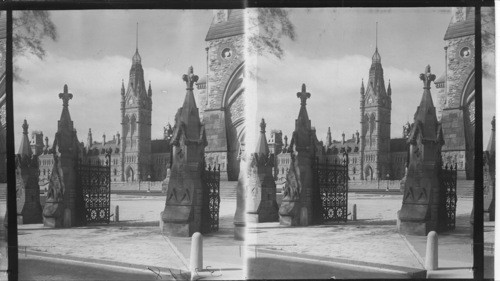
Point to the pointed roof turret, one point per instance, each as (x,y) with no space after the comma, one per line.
(491,143)
(123,89)
(65,120)
(187,119)
(362,89)
(389,90)
(426,112)
(150,92)
(329,137)
(261,147)
(25,148)
(303,96)
(376,57)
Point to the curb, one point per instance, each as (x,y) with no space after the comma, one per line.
(414,251)
(410,272)
(98,262)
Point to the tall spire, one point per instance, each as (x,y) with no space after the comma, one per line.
(25,148)
(136,59)
(376,56)
(262,147)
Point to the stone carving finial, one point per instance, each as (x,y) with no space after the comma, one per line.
(303,95)
(427,77)
(190,78)
(25,127)
(263,126)
(65,96)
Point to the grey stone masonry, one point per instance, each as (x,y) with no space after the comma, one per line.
(63,189)
(261,197)
(419,213)
(29,209)
(296,207)
(182,215)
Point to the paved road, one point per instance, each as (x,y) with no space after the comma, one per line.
(39,269)
(285,268)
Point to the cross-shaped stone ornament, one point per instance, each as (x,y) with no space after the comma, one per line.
(65,96)
(303,95)
(263,126)
(427,77)
(190,78)
(25,127)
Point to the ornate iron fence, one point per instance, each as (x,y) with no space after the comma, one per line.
(95,190)
(448,204)
(211,199)
(330,191)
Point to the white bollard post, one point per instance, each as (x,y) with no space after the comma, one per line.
(117,213)
(303,220)
(354,213)
(196,257)
(67,217)
(431,253)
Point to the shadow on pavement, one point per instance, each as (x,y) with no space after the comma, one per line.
(274,268)
(39,269)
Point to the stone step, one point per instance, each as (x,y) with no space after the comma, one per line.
(228,189)
(465,188)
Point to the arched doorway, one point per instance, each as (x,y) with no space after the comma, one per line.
(368,172)
(129,174)
(234,106)
(468,104)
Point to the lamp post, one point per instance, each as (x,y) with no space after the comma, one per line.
(149,183)
(387,178)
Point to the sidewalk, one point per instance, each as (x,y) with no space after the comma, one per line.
(455,256)
(136,242)
(371,242)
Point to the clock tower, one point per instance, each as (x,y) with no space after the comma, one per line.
(375,105)
(136,107)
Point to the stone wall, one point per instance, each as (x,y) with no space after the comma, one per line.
(459,70)
(135,186)
(218,113)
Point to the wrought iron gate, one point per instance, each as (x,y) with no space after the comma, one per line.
(448,180)
(95,188)
(331,186)
(211,197)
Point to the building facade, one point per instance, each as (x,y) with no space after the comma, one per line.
(134,156)
(456,89)
(221,92)
(372,154)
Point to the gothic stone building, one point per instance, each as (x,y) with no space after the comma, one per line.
(456,88)
(134,156)
(372,154)
(221,92)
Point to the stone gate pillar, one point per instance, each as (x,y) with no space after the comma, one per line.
(29,209)
(63,189)
(261,197)
(419,213)
(182,215)
(489,175)
(296,207)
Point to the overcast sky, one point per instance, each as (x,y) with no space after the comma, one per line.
(331,54)
(93,54)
